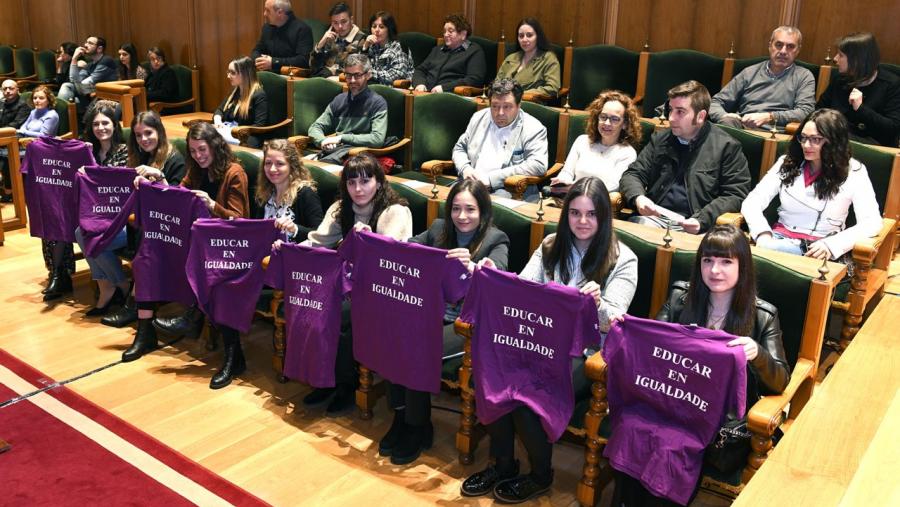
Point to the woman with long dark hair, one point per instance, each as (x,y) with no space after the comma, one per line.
(816,183)
(721,294)
(366,202)
(128,64)
(245,105)
(868,97)
(468,235)
(584,253)
(533,65)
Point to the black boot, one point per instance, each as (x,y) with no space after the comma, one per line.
(144,341)
(390,439)
(190,323)
(124,316)
(414,440)
(233,364)
(60,284)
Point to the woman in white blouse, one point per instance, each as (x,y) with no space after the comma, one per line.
(609,144)
(816,183)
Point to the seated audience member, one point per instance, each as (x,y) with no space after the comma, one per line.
(43,119)
(773,92)
(341,40)
(283,41)
(584,253)
(368,202)
(63,60)
(105,137)
(128,65)
(149,150)
(534,65)
(13,113)
(356,118)
(470,236)
(388,59)
(868,98)
(721,294)
(90,66)
(688,174)
(286,191)
(215,176)
(608,146)
(459,62)
(502,141)
(245,105)
(816,183)
(161,82)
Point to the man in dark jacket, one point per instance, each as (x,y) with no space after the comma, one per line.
(690,174)
(284,39)
(13,113)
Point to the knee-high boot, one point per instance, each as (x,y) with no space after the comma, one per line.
(233,364)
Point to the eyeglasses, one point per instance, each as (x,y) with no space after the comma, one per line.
(813,140)
(354,75)
(613,120)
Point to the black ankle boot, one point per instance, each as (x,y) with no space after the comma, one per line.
(390,439)
(124,316)
(413,441)
(233,364)
(144,341)
(60,284)
(190,323)
(116,299)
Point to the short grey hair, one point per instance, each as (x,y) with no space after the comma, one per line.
(790,30)
(358,59)
(284,5)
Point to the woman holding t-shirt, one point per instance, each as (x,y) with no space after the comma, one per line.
(584,253)
(721,294)
(468,236)
(286,192)
(366,202)
(212,170)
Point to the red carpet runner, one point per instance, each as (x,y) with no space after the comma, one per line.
(65,450)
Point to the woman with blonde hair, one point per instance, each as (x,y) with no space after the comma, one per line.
(609,144)
(245,105)
(286,192)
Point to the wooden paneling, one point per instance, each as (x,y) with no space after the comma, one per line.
(422,16)
(582,21)
(102,18)
(50,23)
(163,23)
(823,21)
(12,29)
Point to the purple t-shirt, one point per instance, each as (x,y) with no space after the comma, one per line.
(102,191)
(525,334)
(224,267)
(670,387)
(50,167)
(399,293)
(314,285)
(164,215)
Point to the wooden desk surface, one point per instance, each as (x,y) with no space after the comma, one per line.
(843,449)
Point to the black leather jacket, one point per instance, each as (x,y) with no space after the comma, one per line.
(769,373)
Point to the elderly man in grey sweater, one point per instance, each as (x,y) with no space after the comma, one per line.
(502,141)
(773,92)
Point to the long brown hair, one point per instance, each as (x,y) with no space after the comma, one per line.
(724,241)
(160,154)
(298,176)
(364,165)
(835,154)
(222,157)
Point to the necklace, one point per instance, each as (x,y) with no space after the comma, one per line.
(713,321)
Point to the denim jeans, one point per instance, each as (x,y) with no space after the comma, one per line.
(106,265)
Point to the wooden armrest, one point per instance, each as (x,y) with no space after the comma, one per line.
(159,106)
(113,87)
(616,201)
(435,168)
(300,142)
(735,219)
(792,127)
(25,141)
(67,135)
(765,415)
(540,98)
(265,261)
(379,152)
(468,91)
(563,92)
(243,133)
(865,250)
(295,71)
(402,83)
(595,367)
(20,80)
(463,329)
(7,132)
(638,100)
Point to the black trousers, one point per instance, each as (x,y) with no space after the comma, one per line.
(629,492)
(525,423)
(345,373)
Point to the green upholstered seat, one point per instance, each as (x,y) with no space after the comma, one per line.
(646,256)
(549,117)
(518,228)
(6,61)
(601,67)
(490,57)
(251,164)
(184,75)
(742,63)
(667,69)
(890,67)
(275,86)
(326,185)
(317,28)
(438,121)
(812,67)
(396,102)
(311,98)
(24,63)
(417,203)
(752,147)
(647,130)
(45,66)
(420,44)
(577,126)
(879,165)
